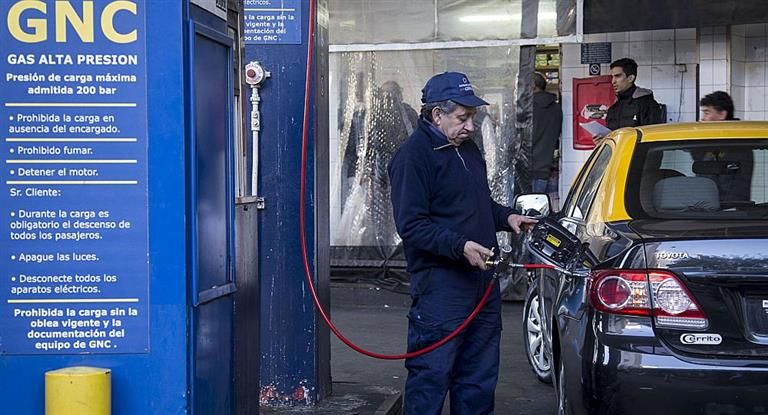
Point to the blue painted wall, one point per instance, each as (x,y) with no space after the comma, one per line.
(291,335)
(156,382)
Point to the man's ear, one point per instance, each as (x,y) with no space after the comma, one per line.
(435,112)
(631,78)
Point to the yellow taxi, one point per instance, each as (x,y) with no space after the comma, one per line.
(659,302)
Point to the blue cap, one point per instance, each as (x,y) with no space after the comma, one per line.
(450,85)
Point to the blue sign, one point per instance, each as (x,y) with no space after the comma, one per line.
(272,22)
(74,272)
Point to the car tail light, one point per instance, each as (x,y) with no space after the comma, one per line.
(657,294)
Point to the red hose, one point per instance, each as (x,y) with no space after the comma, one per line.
(537,266)
(303,236)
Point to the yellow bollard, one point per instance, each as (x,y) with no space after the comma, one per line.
(79,390)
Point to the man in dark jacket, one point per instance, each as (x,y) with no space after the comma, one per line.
(547,124)
(735,183)
(634,106)
(448,222)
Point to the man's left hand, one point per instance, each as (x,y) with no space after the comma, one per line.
(520,222)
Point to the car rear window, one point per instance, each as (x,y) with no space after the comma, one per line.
(706,179)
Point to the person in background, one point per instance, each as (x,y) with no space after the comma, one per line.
(448,222)
(717,106)
(408,115)
(355,134)
(378,126)
(547,125)
(734,185)
(634,106)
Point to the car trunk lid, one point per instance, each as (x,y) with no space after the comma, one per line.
(724,265)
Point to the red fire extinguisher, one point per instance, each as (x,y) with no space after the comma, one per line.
(591,99)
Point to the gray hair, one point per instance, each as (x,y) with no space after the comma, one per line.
(446,106)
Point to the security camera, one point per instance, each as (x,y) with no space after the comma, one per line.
(255,74)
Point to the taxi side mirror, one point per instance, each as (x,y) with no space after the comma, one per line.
(533,204)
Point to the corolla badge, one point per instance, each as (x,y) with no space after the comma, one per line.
(701,338)
(671,255)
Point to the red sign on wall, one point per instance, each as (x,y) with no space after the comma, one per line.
(591,99)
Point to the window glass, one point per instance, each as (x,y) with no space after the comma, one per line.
(374,103)
(712,179)
(479,20)
(591,183)
(556,18)
(381,21)
(411,21)
(570,201)
(547,18)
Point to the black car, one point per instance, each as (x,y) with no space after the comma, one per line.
(659,300)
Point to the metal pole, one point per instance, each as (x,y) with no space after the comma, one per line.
(255,128)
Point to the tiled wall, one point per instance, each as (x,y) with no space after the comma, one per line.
(660,54)
(732,59)
(713,60)
(749,74)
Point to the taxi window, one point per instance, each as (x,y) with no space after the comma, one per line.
(592,181)
(570,200)
(700,179)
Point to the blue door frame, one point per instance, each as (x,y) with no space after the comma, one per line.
(211,213)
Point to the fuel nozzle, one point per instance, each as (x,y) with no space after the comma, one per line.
(502,261)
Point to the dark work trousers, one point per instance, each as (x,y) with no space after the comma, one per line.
(468,365)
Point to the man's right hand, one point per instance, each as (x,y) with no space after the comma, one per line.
(477,254)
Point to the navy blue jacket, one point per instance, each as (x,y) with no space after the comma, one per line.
(440,199)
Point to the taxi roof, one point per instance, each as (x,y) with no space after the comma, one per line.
(703,131)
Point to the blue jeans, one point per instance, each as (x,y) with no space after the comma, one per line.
(539,186)
(467,367)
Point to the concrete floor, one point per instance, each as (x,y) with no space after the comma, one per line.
(378,323)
